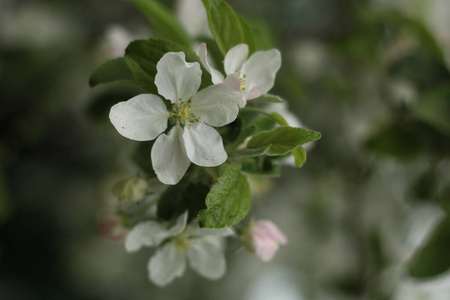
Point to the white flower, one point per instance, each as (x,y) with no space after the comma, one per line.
(192,139)
(262,238)
(198,246)
(253,77)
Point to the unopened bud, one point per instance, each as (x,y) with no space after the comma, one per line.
(262,238)
(132,189)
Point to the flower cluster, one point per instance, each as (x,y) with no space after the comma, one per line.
(182,125)
(211,131)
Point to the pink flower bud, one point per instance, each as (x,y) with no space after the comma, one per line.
(262,238)
(112,230)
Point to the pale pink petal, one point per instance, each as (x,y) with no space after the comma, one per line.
(271,231)
(264,247)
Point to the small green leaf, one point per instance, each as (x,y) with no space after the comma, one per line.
(248,152)
(228,201)
(130,189)
(282,140)
(228,28)
(267,98)
(299,156)
(164,21)
(143,55)
(111,71)
(433,259)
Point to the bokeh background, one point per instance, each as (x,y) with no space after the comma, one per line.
(371,76)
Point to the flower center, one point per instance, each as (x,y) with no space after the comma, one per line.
(182,243)
(242,79)
(182,112)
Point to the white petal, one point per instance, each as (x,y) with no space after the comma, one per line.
(206,259)
(142,118)
(180,225)
(216,76)
(148,234)
(217,105)
(204,145)
(168,263)
(177,79)
(261,69)
(234,58)
(169,158)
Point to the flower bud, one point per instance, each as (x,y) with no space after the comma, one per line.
(132,189)
(111,229)
(262,238)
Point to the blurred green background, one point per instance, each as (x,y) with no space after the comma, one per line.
(365,216)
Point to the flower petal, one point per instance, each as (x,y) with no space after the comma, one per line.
(177,79)
(233,82)
(264,247)
(206,259)
(234,58)
(148,234)
(168,263)
(216,76)
(217,105)
(253,92)
(269,229)
(180,224)
(169,158)
(261,69)
(142,118)
(204,145)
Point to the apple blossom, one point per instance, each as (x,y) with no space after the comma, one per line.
(191,139)
(262,238)
(256,74)
(200,247)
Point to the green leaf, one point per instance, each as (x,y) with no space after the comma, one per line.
(248,152)
(143,55)
(267,98)
(228,201)
(279,118)
(299,156)
(434,109)
(164,21)
(282,140)
(433,259)
(228,28)
(111,71)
